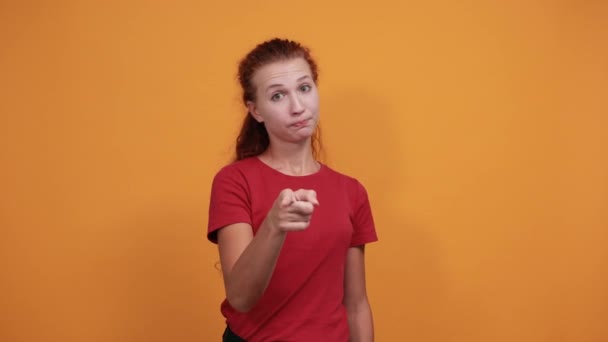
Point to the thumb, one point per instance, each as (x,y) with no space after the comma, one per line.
(286,197)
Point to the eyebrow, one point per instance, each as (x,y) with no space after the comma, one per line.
(280,85)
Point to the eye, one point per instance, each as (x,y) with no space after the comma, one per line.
(305,88)
(277,96)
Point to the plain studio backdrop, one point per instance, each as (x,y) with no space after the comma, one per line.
(478,128)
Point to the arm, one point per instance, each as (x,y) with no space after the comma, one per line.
(247,261)
(360,320)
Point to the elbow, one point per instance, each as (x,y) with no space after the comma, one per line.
(240,306)
(242,298)
(356,305)
(239,303)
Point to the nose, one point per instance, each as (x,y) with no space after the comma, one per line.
(297,107)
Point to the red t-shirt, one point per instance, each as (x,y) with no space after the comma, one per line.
(303,301)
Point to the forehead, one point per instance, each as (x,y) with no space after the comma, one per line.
(281,72)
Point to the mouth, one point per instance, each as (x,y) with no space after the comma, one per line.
(301,123)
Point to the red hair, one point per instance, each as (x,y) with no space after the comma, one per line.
(253,138)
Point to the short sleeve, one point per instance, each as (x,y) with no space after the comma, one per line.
(230,201)
(364,229)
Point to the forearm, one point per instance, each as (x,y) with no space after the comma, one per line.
(360,322)
(251,273)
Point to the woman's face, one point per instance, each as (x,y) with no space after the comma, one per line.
(287,101)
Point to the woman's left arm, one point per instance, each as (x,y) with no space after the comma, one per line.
(360,321)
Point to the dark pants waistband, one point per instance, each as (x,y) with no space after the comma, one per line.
(230,336)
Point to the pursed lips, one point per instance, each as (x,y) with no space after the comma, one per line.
(301,123)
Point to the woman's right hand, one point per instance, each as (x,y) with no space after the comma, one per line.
(292,210)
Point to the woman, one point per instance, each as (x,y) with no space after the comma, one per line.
(291,231)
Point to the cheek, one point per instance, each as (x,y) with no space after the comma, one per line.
(274,115)
(312,103)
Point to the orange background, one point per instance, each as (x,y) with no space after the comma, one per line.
(479,131)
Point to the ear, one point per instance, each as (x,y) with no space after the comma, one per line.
(253,110)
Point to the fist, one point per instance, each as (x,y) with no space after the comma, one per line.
(292,210)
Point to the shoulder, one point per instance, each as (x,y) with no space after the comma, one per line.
(352,184)
(235,177)
(237,170)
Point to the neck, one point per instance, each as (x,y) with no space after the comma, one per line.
(291,159)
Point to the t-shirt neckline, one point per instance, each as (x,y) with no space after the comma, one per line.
(266,166)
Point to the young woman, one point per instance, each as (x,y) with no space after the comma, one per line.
(291,231)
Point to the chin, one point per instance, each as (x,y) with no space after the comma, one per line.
(306,133)
(300,138)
